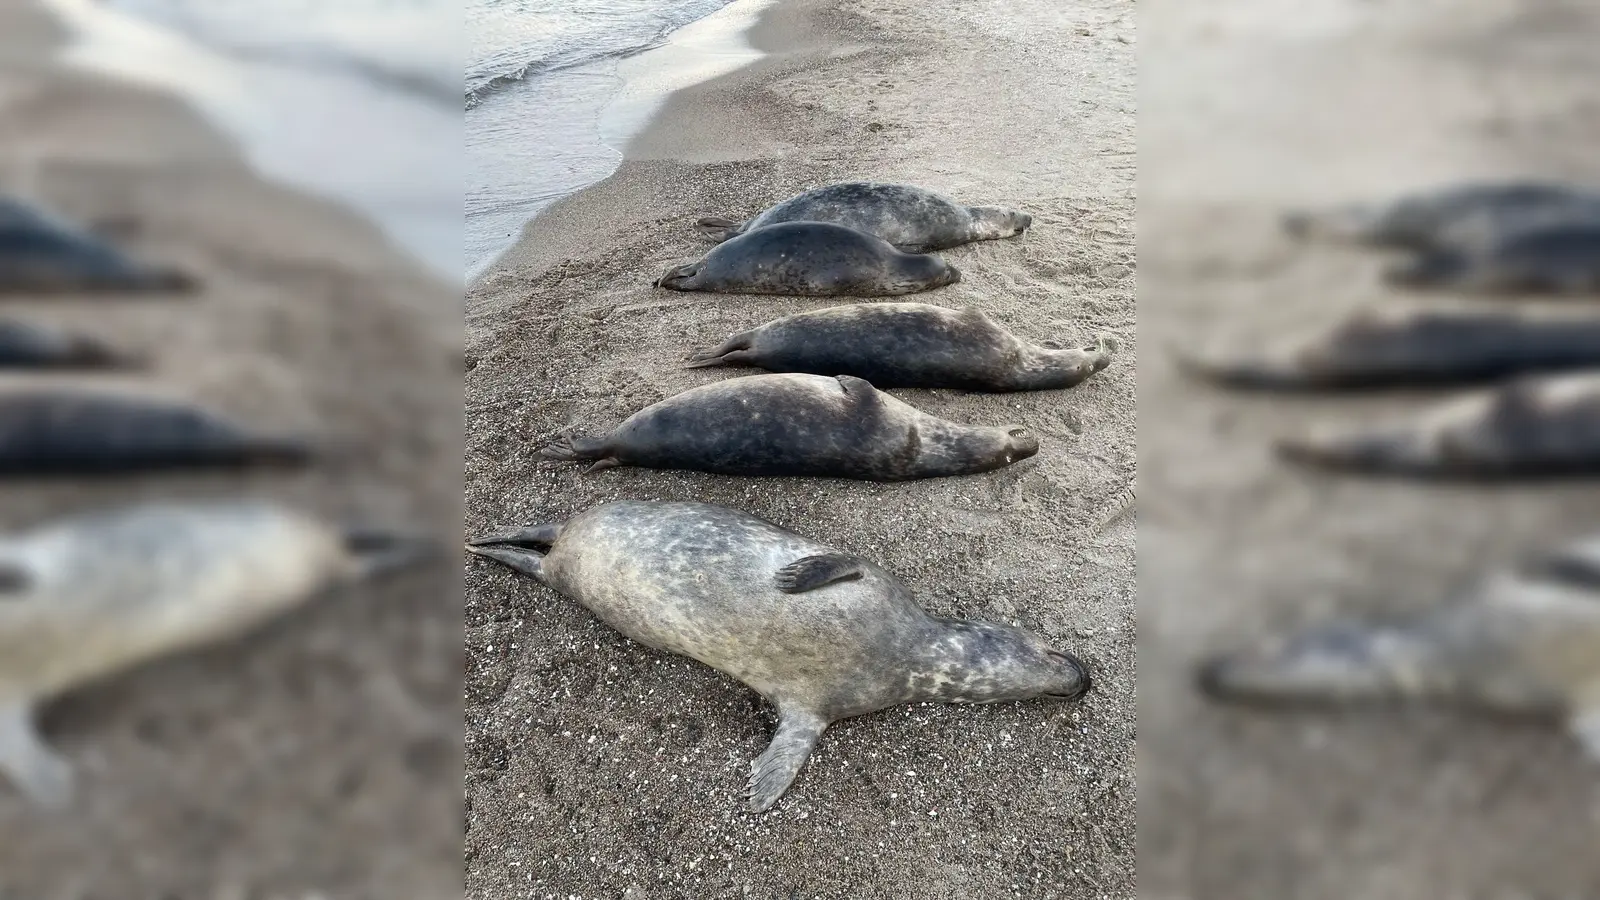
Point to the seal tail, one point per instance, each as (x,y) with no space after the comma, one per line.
(680,278)
(719,356)
(718,228)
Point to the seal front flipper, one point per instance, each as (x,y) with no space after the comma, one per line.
(812,572)
(718,228)
(42,775)
(777,767)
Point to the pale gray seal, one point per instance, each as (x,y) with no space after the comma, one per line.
(27,346)
(1463,218)
(95,594)
(811,259)
(63,430)
(42,254)
(809,425)
(822,635)
(1525,640)
(909,345)
(1529,427)
(913,219)
(1545,259)
(1391,348)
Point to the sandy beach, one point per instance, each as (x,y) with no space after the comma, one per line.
(306,760)
(1245,113)
(599,768)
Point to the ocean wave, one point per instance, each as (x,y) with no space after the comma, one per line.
(481,87)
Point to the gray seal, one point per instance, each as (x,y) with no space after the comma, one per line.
(811,259)
(911,218)
(822,635)
(1410,349)
(1462,218)
(96,594)
(1527,428)
(76,431)
(807,425)
(1522,640)
(1546,259)
(27,346)
(909,345)
(40,254)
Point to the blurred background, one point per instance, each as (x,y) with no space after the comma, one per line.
(1251,109)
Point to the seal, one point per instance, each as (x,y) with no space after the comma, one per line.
(1562,258)
(92,595)
(28,346)
(42,254)
(1522,640)
(822,635)
(1528,427)
(74,431)
(913,219)
(909,345)
(807,425)
(1463,217)
(811,259)
(1410,349)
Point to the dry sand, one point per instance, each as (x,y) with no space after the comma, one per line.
(1247,110)
(601,769)
(313,759)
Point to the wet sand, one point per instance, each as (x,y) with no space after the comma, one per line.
(599,768)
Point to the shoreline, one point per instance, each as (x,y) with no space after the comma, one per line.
(566,333)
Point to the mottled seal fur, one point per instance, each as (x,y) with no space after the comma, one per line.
(27,346)
(1411,348)
(1529,427)
(1547,259)
(1462,218)
(63,430)
(1524,640)
(811,259)
(770,425)
(41,254)
(822,635)
(909,345)
(93,595)
(911,218)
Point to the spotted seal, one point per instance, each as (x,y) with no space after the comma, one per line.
(1522,640)
(1462,218)
(1529,427)
(909,345)
(820,634)
(95,594)
(809,425)
(39,253)
(24,345)
(913,219)
(811,259)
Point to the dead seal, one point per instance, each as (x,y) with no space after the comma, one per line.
(822,635)
(27,346)
(40,254)
(1529,427)
(1559,258)
(96,594)
(811,259)
(805,425)
(1463,218)
(1384,349)
(78,431)
(1524,640)
(913,219)
(909,345)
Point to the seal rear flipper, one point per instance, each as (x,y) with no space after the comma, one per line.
(517,559)
(812,572)
(776,768)
(681,278)
(523,536)
(718,228)
(728,352)
(42,775)
(567,448)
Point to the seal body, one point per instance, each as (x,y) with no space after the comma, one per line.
(1561,258)
(25,346)
(1399,349)
(772,425)
(1529,427)
(911,218)
(811,259)
(75,431)
(1522,641)
(909,345)
(820,634)
(1462,218)
(40,254)
(96,594)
